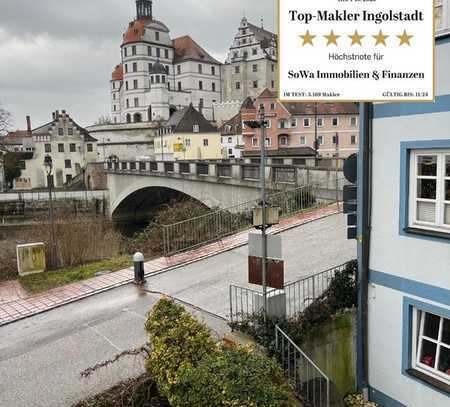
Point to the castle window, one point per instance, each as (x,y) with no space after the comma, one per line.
(213,70)
(152,79)
(255,84)
(60,148)
(135,84)
(163,79)
(238,85)
(166,53)
(60,131)
(48,148)
(200,85)
(353,121)
(150,67)
(125,52)
(89,148)
(179,69)
(136,102)
(158,79)
(158,52)
(254,51)
(272,106)
(179,86)
(70,130)
(149,51)
(72,147)
(255,68)
(196,128)
(245,55)
(134,66)
(235,55)
(213,87)
(320,122)
(157,35)
(335,121)
(126,85)
(128,103)
(133,50)
(200,68)
(273,84)
(126,68)
(205,142)
(353,139)
(237,69)
(67,164)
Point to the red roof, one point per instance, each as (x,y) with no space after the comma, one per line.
(135,32)
(186,48)
(267,93)
(117,74)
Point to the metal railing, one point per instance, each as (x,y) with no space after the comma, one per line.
(245,303)
(305,377)
(218,224)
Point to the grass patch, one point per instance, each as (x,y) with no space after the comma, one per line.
(37,283)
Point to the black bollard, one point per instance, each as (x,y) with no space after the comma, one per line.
(138,260)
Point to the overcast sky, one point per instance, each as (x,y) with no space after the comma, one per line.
(59,54)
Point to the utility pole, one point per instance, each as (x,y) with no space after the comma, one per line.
(262,122)
(48,164)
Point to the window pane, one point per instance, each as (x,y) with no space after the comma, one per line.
(426,188)
(428,356)
(426,212)
(444,361)
(447,190)
(447,166)
(447,215)
(446,332)
(427,165)
(431,327)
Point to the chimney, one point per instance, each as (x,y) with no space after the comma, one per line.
(29,124)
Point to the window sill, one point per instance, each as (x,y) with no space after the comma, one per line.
(428,233)
(429,380)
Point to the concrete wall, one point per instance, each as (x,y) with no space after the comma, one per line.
(403,265)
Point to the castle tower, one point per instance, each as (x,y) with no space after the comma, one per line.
(159,92)
(144,9)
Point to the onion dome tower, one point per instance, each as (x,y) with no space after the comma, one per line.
(144,9)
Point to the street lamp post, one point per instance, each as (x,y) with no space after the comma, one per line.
(48,164)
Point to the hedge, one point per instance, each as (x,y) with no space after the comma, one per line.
(191,370)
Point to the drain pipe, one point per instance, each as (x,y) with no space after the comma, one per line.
(364,226)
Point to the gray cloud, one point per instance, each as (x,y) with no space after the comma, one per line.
(59,54)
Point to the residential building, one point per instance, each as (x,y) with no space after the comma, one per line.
(404,219)
(159,75)
(70,146)
(231,137)
(299,129)
(188,136)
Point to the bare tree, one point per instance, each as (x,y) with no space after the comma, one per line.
(102,120)
(5,121)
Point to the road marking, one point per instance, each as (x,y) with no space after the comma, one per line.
(105,338)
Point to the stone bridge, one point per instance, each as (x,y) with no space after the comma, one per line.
(137,186)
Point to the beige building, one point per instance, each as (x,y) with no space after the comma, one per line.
(70,146)
(188,136)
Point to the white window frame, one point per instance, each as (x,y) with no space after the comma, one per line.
(356,121)
(302,140)
(418,325)
(320,122)
(445,15)
(255,142)
(269,124)
(284,141)
(286,124)
(306,122)
(196,128)
(337,122)
(268,142)
(320,140)
(294,123)
(440,203)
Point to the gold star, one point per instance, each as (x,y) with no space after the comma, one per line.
(405,38)
(332,38)
(380,38)
(356,38)
(308,38)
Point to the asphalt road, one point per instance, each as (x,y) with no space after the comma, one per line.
(41,357)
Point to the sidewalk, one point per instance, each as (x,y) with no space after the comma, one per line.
(15,304)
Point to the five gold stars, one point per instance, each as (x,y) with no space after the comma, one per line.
(332,38)
(308,38)
(405,38)
(380,38)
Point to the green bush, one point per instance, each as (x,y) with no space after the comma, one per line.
(190,370)
(357,400)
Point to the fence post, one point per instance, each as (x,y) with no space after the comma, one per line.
(231,307)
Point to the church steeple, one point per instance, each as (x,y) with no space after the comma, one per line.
(144,9)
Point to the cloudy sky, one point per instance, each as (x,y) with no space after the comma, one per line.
(59,54)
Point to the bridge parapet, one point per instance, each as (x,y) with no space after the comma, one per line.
(233,173)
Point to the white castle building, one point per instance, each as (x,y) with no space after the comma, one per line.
(159,75)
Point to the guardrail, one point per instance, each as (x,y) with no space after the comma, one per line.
(245,303)
(56,195)
(218,224)
(304,376)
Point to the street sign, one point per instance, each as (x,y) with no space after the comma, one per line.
(274,250)
(274,272)
(30,258)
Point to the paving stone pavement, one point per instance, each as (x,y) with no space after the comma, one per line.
(16,304)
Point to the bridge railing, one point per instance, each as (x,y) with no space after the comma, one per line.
(220,223)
